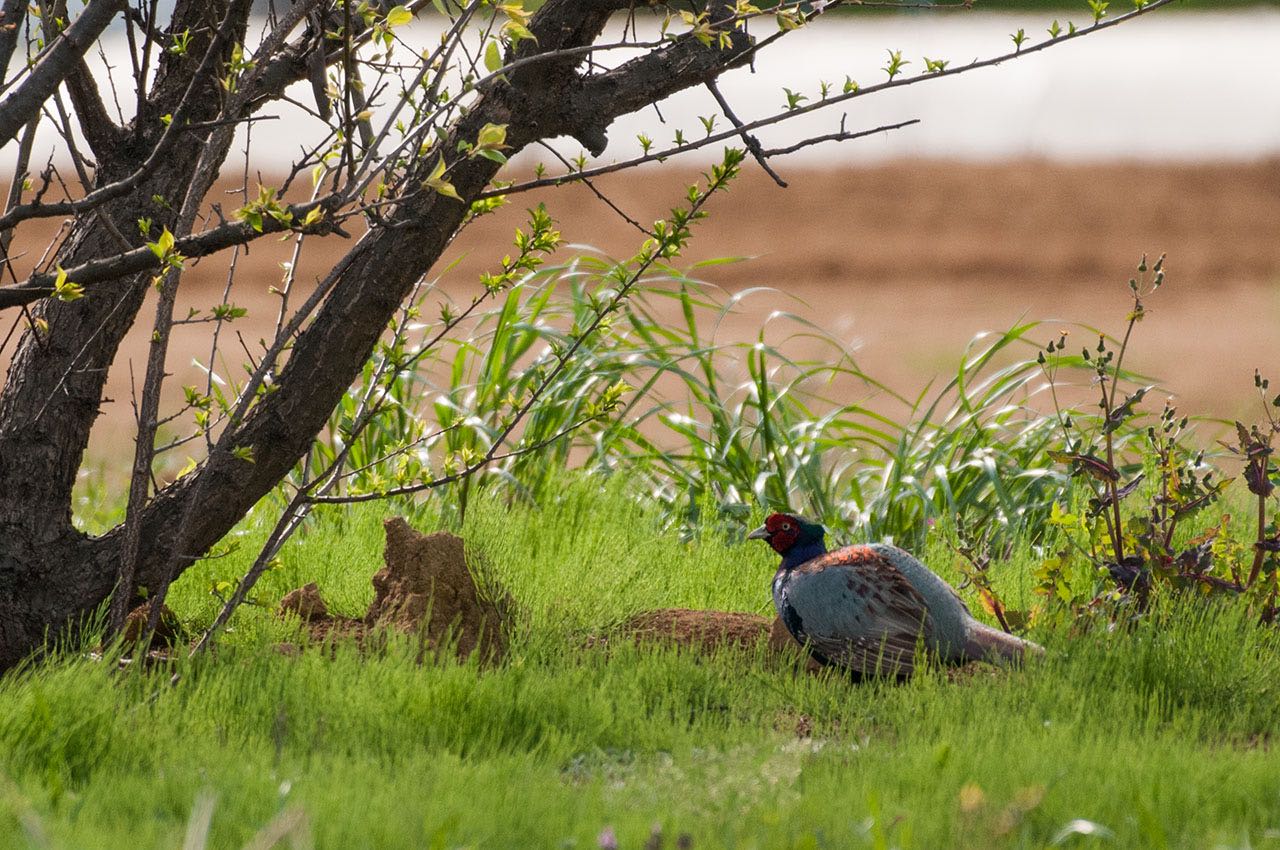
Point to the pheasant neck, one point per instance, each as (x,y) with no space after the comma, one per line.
(802,552)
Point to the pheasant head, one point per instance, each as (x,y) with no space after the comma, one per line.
(794,538)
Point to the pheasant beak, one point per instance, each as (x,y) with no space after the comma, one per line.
(761,533)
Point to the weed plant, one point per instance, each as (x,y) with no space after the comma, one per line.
(1135,534)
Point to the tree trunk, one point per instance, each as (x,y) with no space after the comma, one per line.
(52,577)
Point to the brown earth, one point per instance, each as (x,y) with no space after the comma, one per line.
(701,630)
(708,631)
(305,603)
(426,584)
(908,260)
(424,588)
(168,628)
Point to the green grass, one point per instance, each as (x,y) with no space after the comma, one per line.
(712,427)
(1160,734)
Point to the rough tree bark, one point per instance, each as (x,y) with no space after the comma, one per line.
(49,574)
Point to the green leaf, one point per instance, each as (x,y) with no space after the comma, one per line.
(492,136)
(517,32)
(229,312)
(516,12)
(437,182)
(438,171)
(162,246)
(398,16)
(492,57)
(1059,516)
(65,290)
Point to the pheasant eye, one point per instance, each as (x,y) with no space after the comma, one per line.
(786,526)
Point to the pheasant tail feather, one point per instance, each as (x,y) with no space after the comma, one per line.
(982,641)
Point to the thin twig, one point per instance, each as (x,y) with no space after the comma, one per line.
(752,143)
(896,82)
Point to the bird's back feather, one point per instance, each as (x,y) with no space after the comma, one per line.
(872,609)
(855,609)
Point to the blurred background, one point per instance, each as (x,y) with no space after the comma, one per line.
(1028,190)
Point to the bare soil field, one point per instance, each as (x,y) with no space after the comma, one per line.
(907,260)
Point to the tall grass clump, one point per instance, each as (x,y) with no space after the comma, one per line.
(703,425)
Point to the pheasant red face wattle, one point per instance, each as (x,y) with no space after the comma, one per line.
(782,533)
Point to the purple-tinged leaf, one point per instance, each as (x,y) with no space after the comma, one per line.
(1091,465)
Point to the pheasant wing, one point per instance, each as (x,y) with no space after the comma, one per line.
(859,612)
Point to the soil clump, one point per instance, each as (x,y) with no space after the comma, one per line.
(704,631)
(425,587)
(306,603)
(708,631)
(168,629)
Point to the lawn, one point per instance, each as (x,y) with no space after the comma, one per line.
(1154,736)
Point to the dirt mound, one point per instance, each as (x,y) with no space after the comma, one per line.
(306,603)
(425,587)
(168,629)
(700,630)
(706,631)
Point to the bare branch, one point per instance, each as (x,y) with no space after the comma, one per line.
(144,259)
(20,171)
(605,83)
(601,195)
(659,156)
(840,136)
(99,131)
(11,14)
(752,143)
(59,60)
